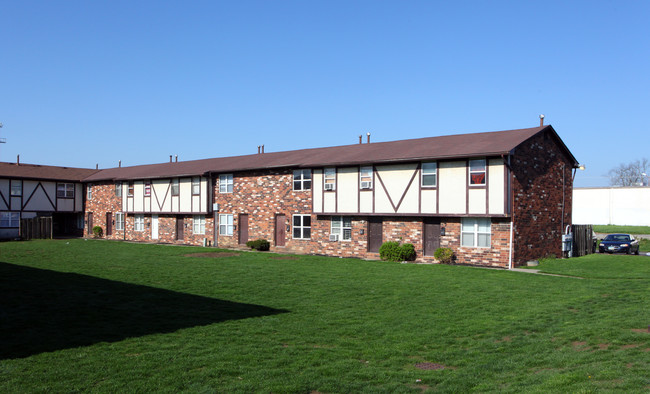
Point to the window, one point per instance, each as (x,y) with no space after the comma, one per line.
(225,224)
(225,183)
(147,188)
(118,190)
(301,226)
(475,232)
(175,187)
(429,174)
(119,221)
(330,178)
(196,186)
(65,190)
(342,226)
(302,180)
(130,194)
(9,219)
(89,191)
(16,188)
(477,172)
(365,177)
(139,223)
(199,224)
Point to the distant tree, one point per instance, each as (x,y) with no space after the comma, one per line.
(630,174)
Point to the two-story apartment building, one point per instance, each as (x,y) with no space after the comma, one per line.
(28,190)
(496,198)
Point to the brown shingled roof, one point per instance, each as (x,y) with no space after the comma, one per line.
(431,148)
(36,171)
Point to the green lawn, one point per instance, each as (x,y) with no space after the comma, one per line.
(608,229)
(117,317)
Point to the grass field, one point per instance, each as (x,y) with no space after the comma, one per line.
(608,229)
(105,316)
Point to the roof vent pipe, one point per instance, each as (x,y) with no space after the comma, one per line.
(262,148)
(170,158)
(97,166)
(368,135)
(541,120)
(119,163)
(18,159)
(258,149)
(360,139)
(176,158)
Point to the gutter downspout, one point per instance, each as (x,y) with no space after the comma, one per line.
(510,251)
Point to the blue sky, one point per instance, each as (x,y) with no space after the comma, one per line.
(94,82)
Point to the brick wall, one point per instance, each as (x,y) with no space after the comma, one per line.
(542,176)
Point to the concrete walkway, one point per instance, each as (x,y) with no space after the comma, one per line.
(534,271)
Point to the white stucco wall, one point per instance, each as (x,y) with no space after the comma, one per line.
(612,205)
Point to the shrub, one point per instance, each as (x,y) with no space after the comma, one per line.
(259,244)
(393,251)
(444,255)
(98,232)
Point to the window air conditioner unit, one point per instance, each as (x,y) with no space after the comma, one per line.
(334,237)
(366,185)
(329,186)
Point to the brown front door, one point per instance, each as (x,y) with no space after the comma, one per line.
(109,223)
(280,230)
(375,236)
(431,236)
(243,229)
(180,227)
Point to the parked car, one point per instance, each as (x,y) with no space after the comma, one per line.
(615,243)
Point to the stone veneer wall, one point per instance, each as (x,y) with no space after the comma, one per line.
(538,167)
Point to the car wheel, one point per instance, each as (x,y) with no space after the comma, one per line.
(637,252)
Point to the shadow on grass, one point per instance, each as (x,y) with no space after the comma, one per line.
(43,310)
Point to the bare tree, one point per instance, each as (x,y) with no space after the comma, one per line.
(632,174)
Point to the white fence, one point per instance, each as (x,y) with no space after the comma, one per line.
(612,205)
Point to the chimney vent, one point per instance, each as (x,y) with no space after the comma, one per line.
(18,159)
(170,158)
(119,163)
(262,148)
(97,166)
(541,120)
(258,149)
(360,139)
(368,135)
(176,158)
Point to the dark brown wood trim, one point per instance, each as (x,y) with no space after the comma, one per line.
(394,215)
(420,190)
(336,188)
(386,191)
(322,192)
(374,184)
(3,197)
(166,213)
(487,186)
(467,181)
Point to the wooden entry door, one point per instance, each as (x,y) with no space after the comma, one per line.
(431,236)
(243,229)
(280,230)
(180,227)
(109,223)
(375,234)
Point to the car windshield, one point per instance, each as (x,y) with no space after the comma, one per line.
(617,238)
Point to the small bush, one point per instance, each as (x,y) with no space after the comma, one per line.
(98,232)
(444,255)
(393,251)
(259,244)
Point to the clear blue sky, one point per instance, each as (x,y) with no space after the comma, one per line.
(86,82)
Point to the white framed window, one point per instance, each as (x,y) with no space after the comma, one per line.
(65,190)
(301,179)
(301,226)
(477,172)
(176,189)
(365,178)
(196,186)
(131,188)
(342,226)
(89,191)
(16,188)
(147,188)
(119,220)
(9,219)
(139,223)
(330,179)
(118,190)
(225,224)
(429,174)
(199,224)
(475,232)
(225,183)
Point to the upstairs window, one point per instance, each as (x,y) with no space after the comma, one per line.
(89,191)
(477,172)
(225,183)
(302,180)
(130,189)
(330,179)
(16,188)
(147,188)
(342,228)
(65,190)
(429,174)
(196,186)
(175,187)
(118,190)
(365,178)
